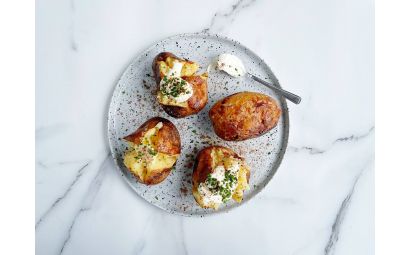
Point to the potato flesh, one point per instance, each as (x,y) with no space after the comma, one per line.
(188,69)
(242,185)
(157,163)
(134,165)
(163,68)
(161,161)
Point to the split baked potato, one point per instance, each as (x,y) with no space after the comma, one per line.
(155,148)
(219,175)
(244,115)
(180,91)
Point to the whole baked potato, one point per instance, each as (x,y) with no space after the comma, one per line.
(180,91)
(219,175)
(155,148)
(244,115)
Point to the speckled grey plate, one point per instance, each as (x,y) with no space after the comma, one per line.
(133,102)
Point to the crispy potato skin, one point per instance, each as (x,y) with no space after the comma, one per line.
(163,57)
(156,178)
(167,141)
(199,84)
(153,179)
(203,165)
(244,115)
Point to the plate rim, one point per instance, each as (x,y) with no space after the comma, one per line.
(278,162)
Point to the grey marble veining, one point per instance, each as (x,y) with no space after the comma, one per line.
(351,138)
(221,19)
(320,201)
(340,216)
(88,199)
(60,198)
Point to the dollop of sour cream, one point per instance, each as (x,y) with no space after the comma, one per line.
(231,64)
(234,167)
(212,196)
(174,87)
(219,173)
(207,195)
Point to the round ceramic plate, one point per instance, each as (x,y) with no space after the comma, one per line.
(134,101)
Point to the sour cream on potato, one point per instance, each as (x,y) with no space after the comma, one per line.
(209,195)
(174,87)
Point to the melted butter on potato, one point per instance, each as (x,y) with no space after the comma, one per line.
(150,134)
(143,160)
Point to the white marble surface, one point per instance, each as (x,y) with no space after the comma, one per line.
(321,200)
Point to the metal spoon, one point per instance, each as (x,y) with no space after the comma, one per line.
(288,95)
(233,66)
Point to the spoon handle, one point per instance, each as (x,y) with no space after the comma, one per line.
(290,96)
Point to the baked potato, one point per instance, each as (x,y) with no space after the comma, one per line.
(244,115)
(180,91)
(155,148)
(219,175)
